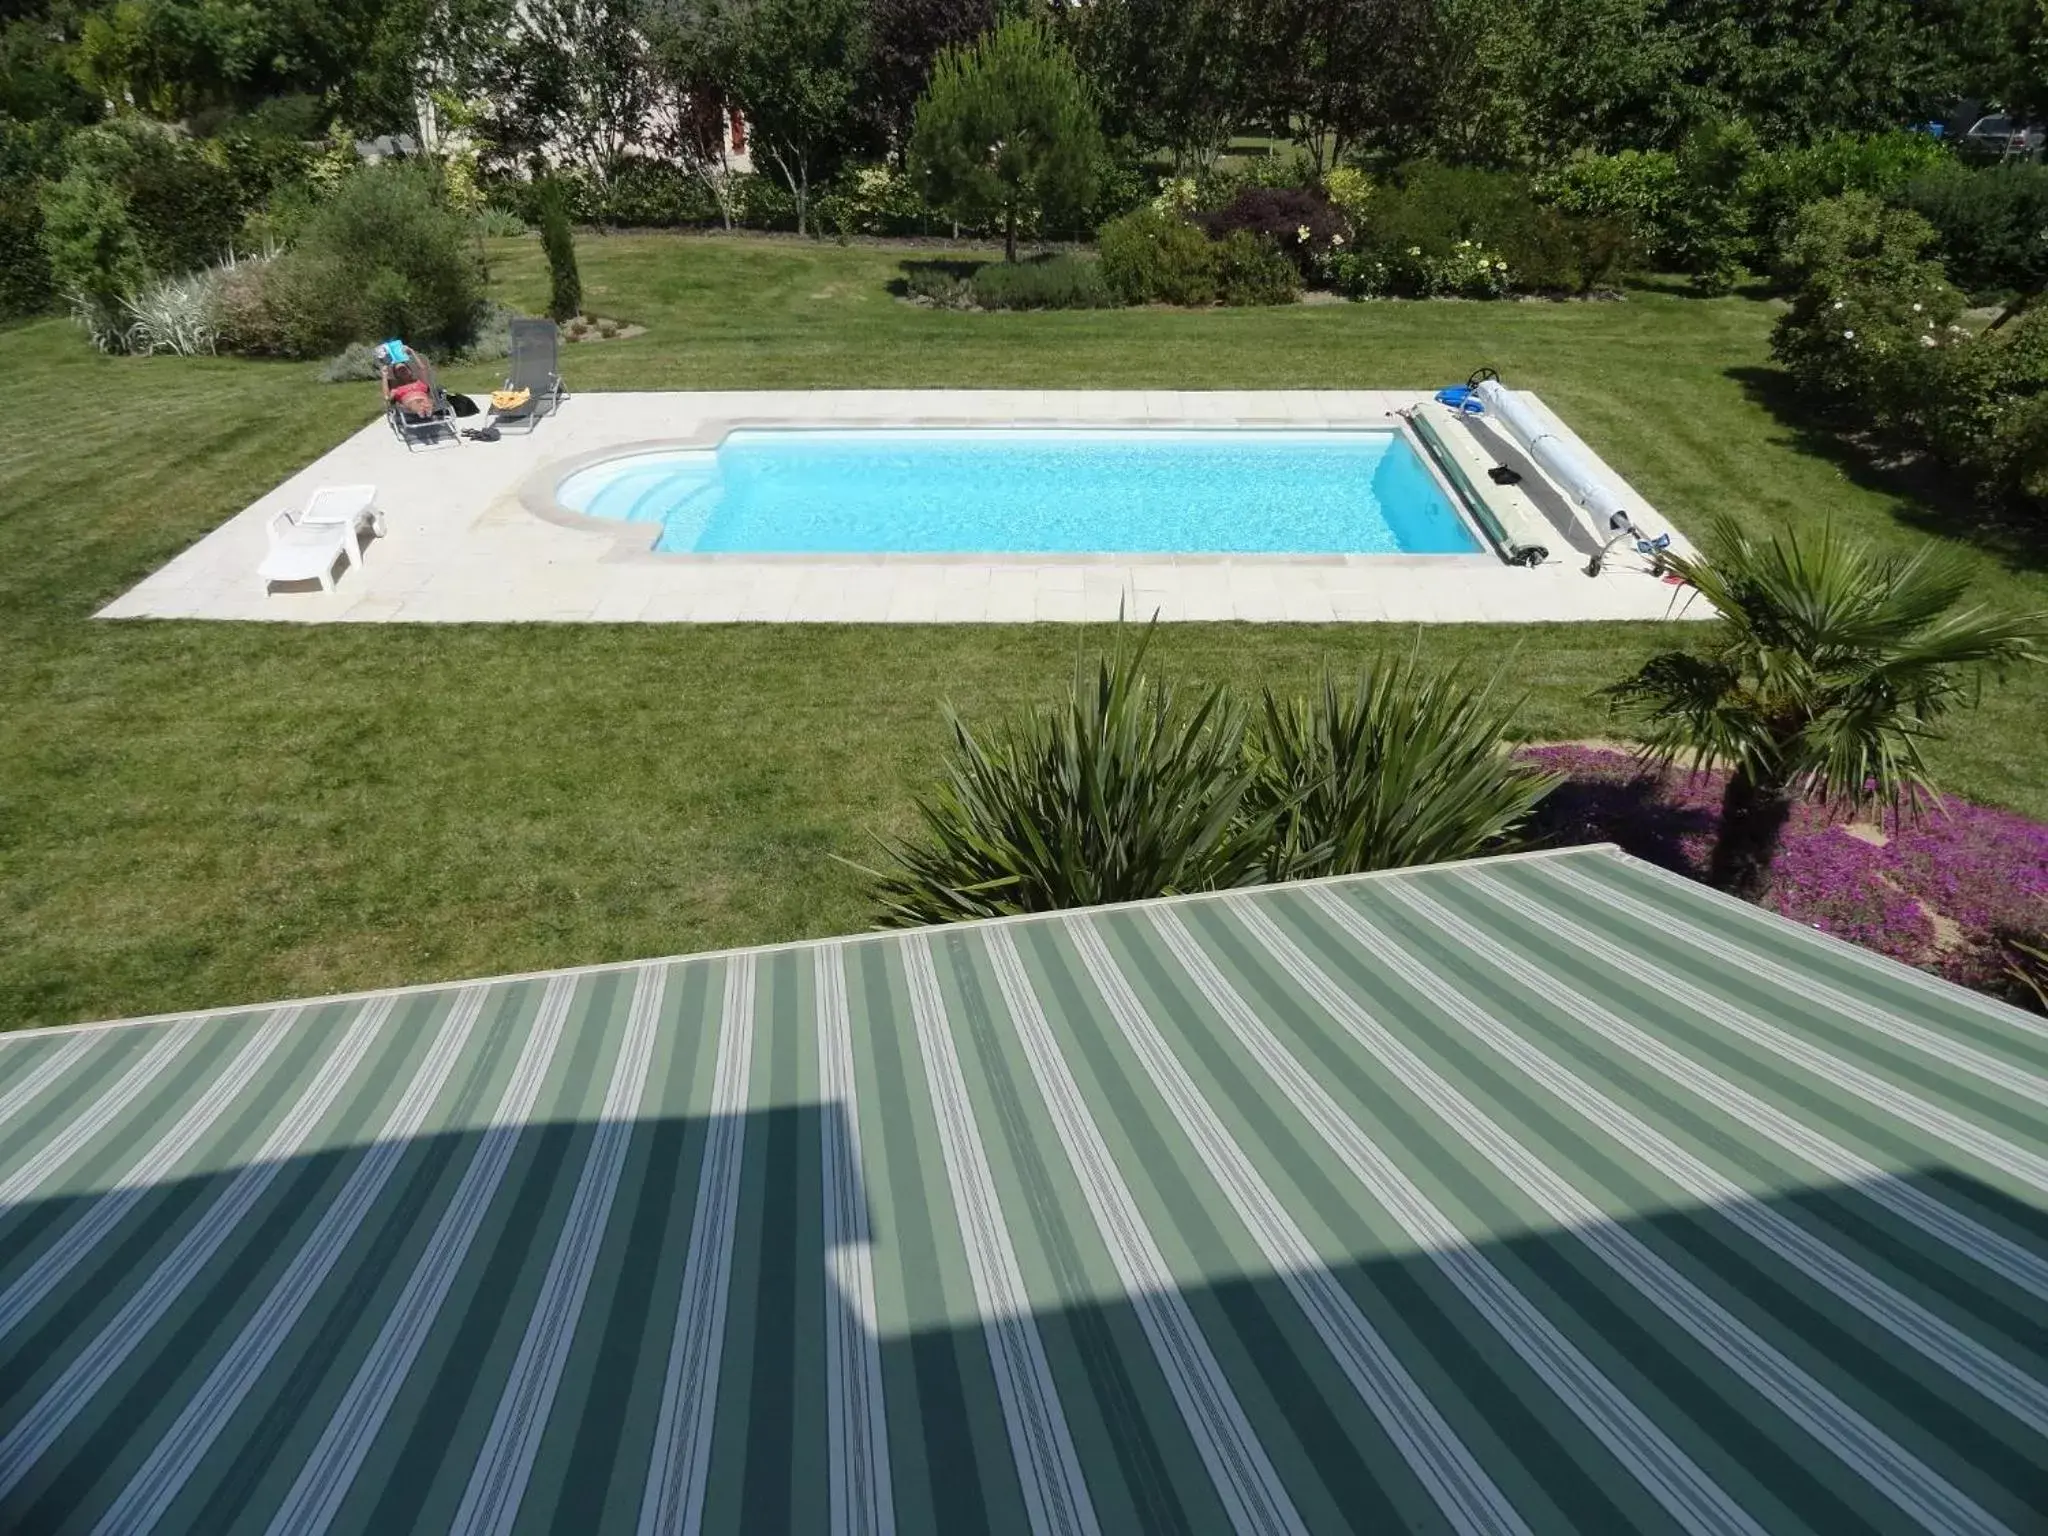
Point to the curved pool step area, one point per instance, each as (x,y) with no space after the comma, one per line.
(482,535)
(674,489)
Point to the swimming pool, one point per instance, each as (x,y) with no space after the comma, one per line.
(1032,491)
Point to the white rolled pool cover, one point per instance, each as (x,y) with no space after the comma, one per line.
(1556,458)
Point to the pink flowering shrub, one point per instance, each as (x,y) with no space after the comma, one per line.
(1984,871)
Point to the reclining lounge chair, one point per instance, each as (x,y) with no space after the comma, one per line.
(534,372)
(438,430)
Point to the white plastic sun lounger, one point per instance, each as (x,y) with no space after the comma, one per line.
(350,506)
(307,551)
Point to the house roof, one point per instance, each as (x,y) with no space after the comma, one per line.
(1539,1194)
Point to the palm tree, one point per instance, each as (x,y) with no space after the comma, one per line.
(1830,667)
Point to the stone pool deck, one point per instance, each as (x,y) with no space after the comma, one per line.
(471,537)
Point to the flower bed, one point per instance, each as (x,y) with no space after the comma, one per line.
(1947,892)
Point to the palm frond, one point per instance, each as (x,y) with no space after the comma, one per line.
(1831,664)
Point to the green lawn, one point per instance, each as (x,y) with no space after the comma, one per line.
(205,813)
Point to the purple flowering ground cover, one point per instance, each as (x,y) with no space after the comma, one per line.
(1948,891)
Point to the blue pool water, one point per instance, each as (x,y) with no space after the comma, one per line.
(1025,490)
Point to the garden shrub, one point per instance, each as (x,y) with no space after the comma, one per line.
(356,363)
(941,284)
(1049,282)
(558,240)
(93,254)
(872,200)
(1304,226)
(25,285)
(1350,192)
(763,202)
(1984,409)
(384,256)
(1466,231)
(496,223)
(1712,211)
(1784,181)
(643,194)
(1870,307)
(251,300)
(1149,257)
(1467,270)
(186,210)
(1991,223)
(1635,188)
(1249,271)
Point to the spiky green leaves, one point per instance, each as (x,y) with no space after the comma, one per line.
(1129,790)
(1831,665)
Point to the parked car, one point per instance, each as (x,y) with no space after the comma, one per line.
(2001,137)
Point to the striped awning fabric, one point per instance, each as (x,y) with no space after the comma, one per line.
(1540,1194)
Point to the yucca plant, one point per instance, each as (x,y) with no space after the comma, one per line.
(1123,792)
(1406,765)
(1830,667)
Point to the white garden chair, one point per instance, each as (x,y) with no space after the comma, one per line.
(303,551)
(304,546)
(350,506)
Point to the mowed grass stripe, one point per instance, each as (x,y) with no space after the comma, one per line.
(1164,1443)
(384,1110)
(591,1465)
(80,1437)
(1837,1423)
(1456,1479)
(1950,1399)
(1732,1145)
(951,1462)
(1916,1059)
(292,1405)
(1584,1476)
(1983,1021)
(769,1455)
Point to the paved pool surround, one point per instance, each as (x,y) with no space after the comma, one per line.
(475,535)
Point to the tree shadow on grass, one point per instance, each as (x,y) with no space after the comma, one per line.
(1924,495)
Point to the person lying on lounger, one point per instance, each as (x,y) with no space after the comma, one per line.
(404,381)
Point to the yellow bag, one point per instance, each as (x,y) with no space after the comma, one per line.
(510,399)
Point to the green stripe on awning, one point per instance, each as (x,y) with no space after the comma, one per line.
(1550,1193)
